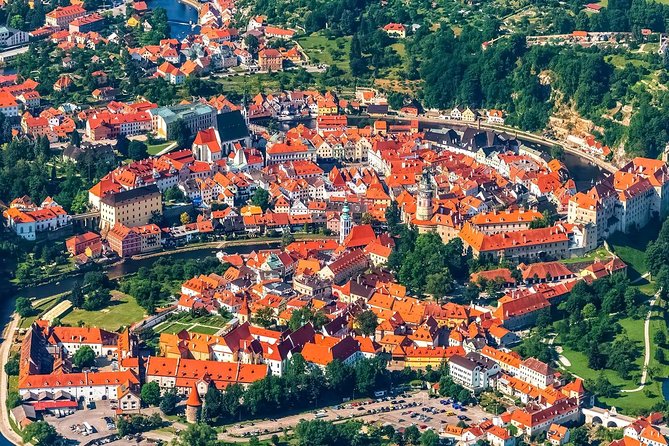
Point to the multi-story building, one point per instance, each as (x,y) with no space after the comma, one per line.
(128,241)
(529,244)
(195,116)
(534,420)
(504,221)
(87,23)
(270,59)
(8,105)
(63,15)
(473,371)
(536,372)
(291,150)
(133,207)
(106,125)
(12,37)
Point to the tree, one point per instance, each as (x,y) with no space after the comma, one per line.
(197,435)
(429,438)
(393,217)
(168,403)
(439,284)
(23,307)
(251,43)
(659,355)
(137,150)
(260,198)
(75,138)
(264,317)
(580,437)
(174,194)
(212,403)
(367,322)
(12,366)
(84,357)
(40,433)
(412,434)
(181,133)
(340,377)
(150,394)
(287,238)
(184,218)
(660,338)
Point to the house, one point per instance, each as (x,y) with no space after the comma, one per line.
(395,30)
(270,59)
(495,117)
(77,245)
(557,435)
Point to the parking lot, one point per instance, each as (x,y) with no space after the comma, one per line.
(72,426)
(400,412)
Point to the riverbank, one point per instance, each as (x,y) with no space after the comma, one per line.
(230,244)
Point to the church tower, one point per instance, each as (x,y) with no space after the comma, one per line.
(425,194)
(345,223)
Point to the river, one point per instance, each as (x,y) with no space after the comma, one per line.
(179,17)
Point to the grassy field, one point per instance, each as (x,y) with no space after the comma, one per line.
(599,253)
(43,306)
(632,249)
(154,149)
(205,325)
(122,311)
(321,49)
(633,402)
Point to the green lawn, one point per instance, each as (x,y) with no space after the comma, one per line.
(599,253)
(122,311)
(322,49)
(154,149)
(620,60)
(635,402)
(632,248)
(205,325)
(40,309)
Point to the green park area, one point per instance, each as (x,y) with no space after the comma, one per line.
(321,49)
(658,369)
(154,149)
(209,325)
(122,311)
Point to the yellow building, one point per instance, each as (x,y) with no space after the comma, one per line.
(133,207)
(132,22)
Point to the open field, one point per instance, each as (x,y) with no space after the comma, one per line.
(321,49)
(122,311)
(597,254)
(206,324)
(633,402)
(40,309)
(154,149)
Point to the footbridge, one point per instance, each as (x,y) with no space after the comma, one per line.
(606,417)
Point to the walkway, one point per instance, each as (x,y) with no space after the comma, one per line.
(646,340)
(7,338)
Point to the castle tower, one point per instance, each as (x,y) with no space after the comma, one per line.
(193,406)
(345,223)
(424,201)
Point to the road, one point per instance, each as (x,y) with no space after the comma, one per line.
(7,338)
